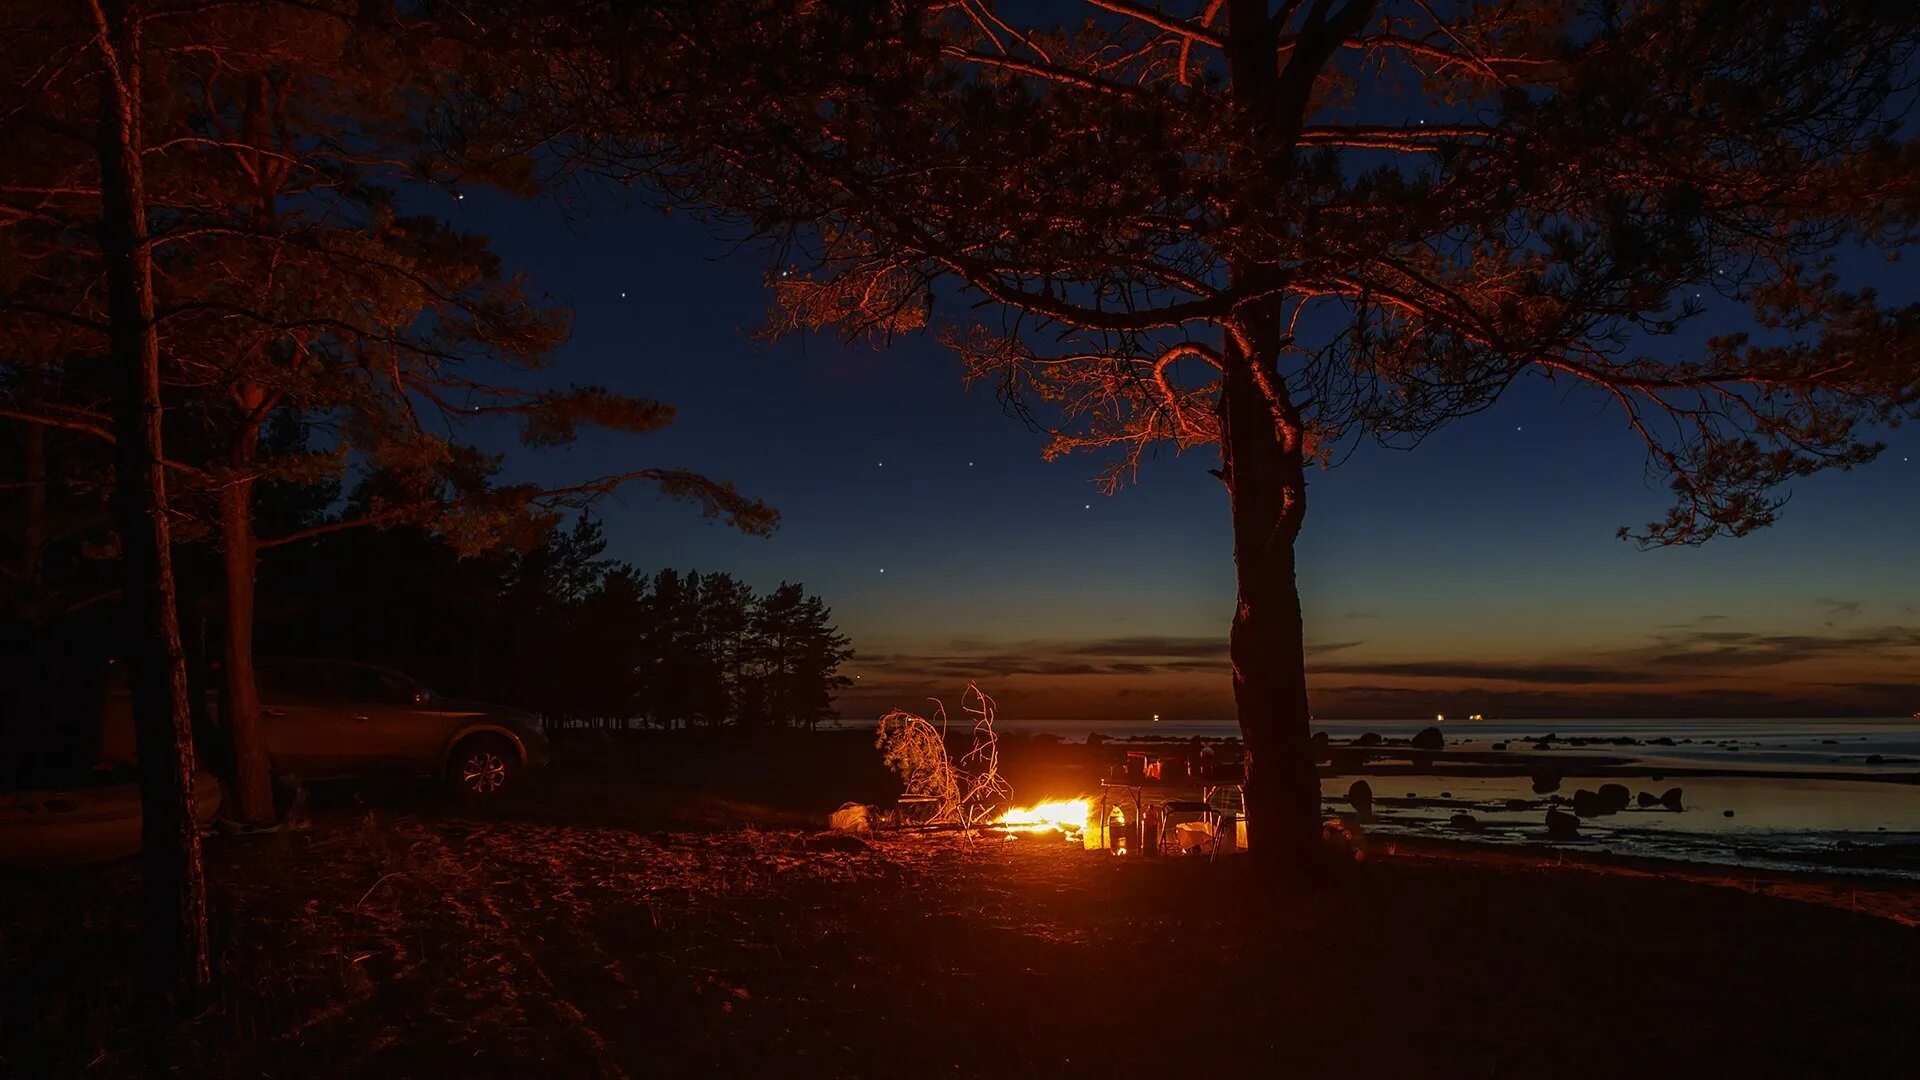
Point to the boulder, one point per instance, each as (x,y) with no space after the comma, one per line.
(1371,738)
(1647,800)
(1726,813)
(1670,799)
(1543,745)
(1518,805)
(1465,822)
(1320,750)
(1562,825)
(1610,799)
(1876,759)
(1360,796)
(1545,781)
(852,818)
(1429,739)
(1499,746)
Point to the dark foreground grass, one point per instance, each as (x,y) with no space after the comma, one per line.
(659,936)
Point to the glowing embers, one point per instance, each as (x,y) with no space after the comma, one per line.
(1068,816)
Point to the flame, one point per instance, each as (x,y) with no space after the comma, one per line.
(1067,815)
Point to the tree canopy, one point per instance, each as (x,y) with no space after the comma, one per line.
(1278,228)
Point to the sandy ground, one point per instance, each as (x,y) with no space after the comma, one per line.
(665,911)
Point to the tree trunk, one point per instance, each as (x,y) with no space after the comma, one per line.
(170,836)
(1266,488)
(240,694)
(34,541)
(1260,454)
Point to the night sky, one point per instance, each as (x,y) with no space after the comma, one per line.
(1479,573)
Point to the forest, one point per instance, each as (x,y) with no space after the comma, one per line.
(551,625)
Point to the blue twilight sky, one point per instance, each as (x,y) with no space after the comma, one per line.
(1479,573)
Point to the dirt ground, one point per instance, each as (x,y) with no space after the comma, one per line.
(640,916)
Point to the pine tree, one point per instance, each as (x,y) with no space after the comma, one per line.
(1272,229)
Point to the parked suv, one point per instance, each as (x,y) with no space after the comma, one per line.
(337,718)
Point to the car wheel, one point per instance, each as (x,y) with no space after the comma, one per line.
(484,767)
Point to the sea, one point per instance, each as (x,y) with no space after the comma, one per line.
(1831,795)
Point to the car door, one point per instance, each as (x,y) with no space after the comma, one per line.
(304,717)
(394,725)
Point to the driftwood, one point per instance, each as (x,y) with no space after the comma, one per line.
(964,791)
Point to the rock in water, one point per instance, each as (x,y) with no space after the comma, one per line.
(852,818)
(1360,795)
(1562,825)
(1647,800)
(1670,799)
(1595,803)
(1429,739)
(1614,798)
(1320,750)
(1371,738)
(1465,822)
(1545,782)
(1517,805)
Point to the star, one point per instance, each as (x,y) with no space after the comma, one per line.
(1089,506)
(883,569)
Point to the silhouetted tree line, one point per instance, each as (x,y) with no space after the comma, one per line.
(559,629)
(550,624)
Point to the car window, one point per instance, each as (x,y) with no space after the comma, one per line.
(385,687)
(292,681)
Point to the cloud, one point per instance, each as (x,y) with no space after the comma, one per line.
(1543,672)
(1139,655)
(1696,668)
(1188,647)
(1734,648)
(1838,611)
(1371,701)
(1697,620)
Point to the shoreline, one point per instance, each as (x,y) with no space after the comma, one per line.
(1869,891)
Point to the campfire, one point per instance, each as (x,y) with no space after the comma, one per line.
(966,791)
(1068,816)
